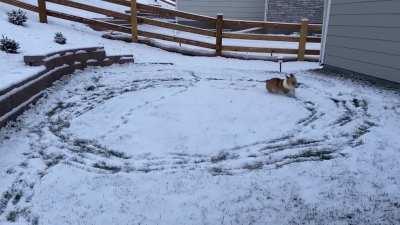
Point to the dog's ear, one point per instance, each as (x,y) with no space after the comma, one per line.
(286,76)
(291,75)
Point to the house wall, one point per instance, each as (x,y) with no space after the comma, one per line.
(232,9)
(295,10)
(364,36)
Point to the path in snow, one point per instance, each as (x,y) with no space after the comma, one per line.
(341,124)
(148,118)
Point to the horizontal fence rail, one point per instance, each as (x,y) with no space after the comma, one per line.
(176,39)
(91,8)
(230,24)
(220,28)
(178,27)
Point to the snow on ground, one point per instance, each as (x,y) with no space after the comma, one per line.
(11,69)
(167,144)
(36,38)
(195,141)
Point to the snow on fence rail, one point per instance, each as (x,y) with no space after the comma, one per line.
(220,31)
(169,2)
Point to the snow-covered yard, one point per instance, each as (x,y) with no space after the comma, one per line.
(173,139)
(165,144)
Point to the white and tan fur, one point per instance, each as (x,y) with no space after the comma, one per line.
(282,86)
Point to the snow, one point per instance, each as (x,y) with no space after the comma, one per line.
(11,70)
(79,36)
(174,139)
(151,144)
(220,107)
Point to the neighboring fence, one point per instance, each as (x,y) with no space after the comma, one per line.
(219,23)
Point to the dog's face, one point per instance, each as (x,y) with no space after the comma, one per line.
(291,81)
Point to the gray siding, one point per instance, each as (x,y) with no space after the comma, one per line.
(295,10)
(232,9)
(364,36)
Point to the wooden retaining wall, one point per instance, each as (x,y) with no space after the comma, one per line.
(16,99)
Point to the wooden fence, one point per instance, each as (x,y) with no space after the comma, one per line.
(221,26)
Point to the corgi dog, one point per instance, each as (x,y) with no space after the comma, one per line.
(282,86)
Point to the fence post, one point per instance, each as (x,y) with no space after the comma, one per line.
(219,29)
(134,21)
(42,11)
(303,39)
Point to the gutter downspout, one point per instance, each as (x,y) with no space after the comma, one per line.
(325,27)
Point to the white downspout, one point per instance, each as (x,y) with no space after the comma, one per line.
(266,11)
(325,26)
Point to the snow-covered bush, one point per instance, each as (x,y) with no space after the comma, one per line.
(17,17)
(8,45)
(59,38)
